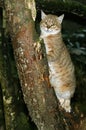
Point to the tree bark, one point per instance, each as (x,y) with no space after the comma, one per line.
(11,107)
(32,68)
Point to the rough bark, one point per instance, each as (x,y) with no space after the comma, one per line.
(10,94)
(6,91)
(1,3)
(33,71)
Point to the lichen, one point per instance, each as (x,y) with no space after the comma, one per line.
(7,101)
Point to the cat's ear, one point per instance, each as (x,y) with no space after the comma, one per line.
(43,15)
(60,18)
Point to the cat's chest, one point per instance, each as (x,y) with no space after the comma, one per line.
(50,44)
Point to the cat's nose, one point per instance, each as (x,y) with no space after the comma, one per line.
(48,27)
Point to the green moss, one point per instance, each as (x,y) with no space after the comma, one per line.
(22,122)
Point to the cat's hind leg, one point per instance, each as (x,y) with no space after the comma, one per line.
(65,103)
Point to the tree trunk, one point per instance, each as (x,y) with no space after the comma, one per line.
(32,68)
(11,105)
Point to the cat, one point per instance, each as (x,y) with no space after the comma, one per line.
(61,68)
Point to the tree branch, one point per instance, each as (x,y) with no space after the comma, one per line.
(33,71)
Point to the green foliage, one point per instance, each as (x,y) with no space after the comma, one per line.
(63,6)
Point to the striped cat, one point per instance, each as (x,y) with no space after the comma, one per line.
(61,69)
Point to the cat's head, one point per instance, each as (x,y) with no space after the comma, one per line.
(50,24)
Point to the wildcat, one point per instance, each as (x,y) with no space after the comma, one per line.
(61,69)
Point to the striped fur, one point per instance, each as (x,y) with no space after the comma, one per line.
(61,69)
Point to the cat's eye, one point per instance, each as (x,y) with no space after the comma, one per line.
(52,25)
